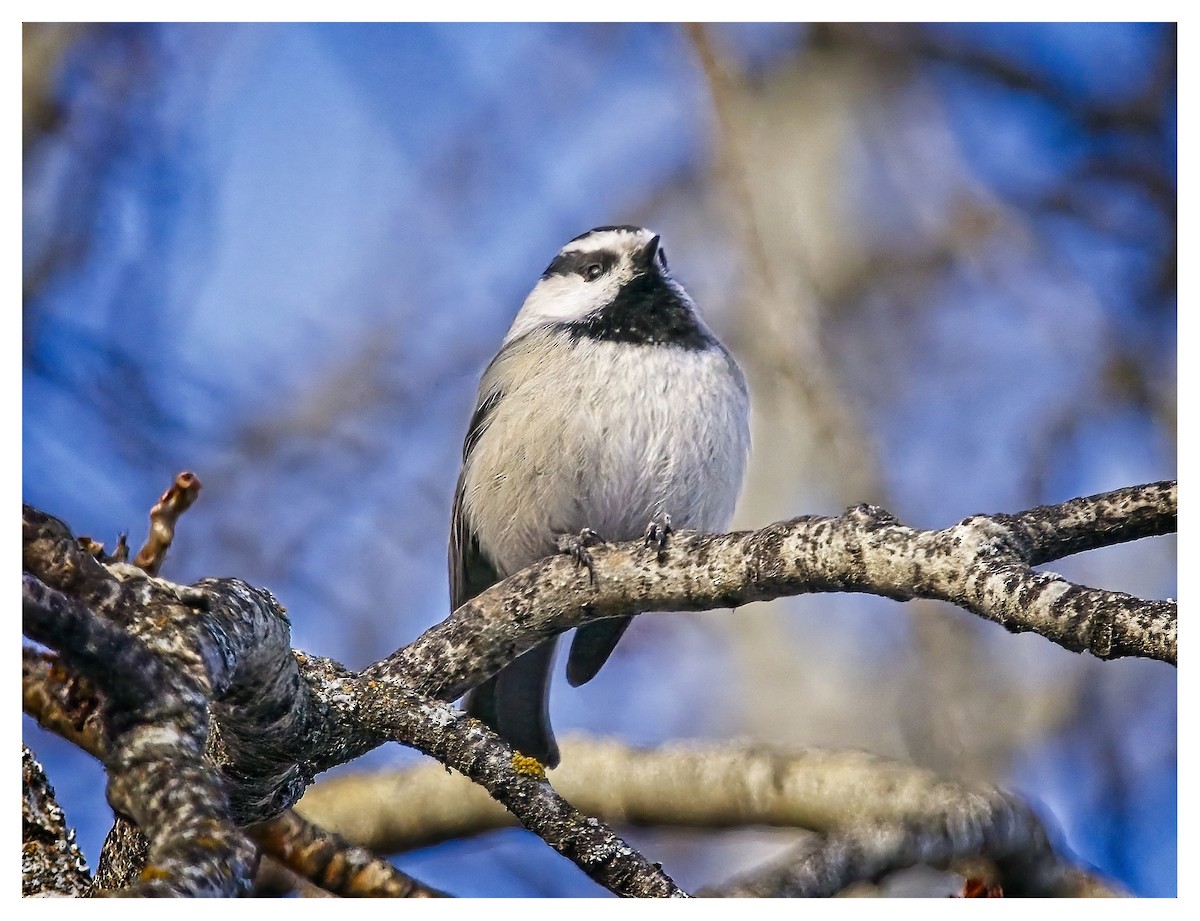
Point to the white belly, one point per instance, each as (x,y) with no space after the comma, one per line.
(606,436)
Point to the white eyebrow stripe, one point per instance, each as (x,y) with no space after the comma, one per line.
(606,239)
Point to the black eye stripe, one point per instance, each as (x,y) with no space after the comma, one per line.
(578,263)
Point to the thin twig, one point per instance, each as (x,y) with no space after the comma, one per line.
(174,502)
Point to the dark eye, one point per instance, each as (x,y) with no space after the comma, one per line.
(592,271)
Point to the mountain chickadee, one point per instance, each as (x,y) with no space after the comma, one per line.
(610,408)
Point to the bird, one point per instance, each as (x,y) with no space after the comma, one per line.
(610,412)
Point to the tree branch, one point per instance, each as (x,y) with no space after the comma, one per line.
(157,725)
(61,701)
(160,655)
(332,863)
(171,504)
(876,815)
(51,862)
(870,851)
(283,718)
(983,564)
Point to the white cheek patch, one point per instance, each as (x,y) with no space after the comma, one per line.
(566,298)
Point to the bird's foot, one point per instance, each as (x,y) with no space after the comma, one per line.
(658,530)
(576,546)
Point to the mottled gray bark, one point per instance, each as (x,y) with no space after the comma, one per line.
(983,564)
(160,654)
(164,657)
(51,862)
(157,724)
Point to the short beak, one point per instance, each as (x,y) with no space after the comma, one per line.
(645,259)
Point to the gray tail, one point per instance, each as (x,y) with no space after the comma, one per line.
(591,647)
(516,703)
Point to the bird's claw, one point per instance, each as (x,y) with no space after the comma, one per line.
(658,530)
(576,546)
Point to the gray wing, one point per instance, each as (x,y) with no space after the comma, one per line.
(470,571)
(515,701)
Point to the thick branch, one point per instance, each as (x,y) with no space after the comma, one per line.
(124,855)
(516,782)
(983,564)
(61,701)
(283,717)
(157,725)
(51,862)
(233,639)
